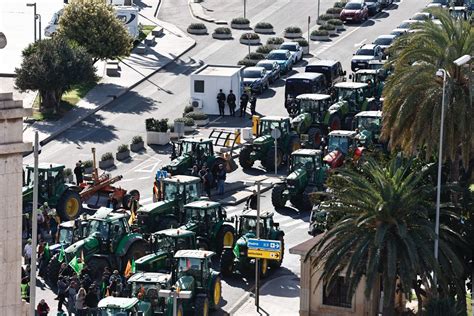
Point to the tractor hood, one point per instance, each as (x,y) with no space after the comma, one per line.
(336,106)
(179,164)
(301,123)
(156,208)
(297,179)
(151,262)
(191,226)
(334,159)
(82,246)
(263,140)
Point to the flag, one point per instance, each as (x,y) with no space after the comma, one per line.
(128,269)
(62,255)
(132,218)
(236,250)
(46,252)
(75,265)
(133,266)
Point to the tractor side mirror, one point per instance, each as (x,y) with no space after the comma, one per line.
(277,225)
(354,125)
(350,77)
(344,73)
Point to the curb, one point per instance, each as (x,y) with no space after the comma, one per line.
(206,18)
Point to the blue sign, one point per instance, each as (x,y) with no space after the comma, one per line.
(263,244)
(161,174)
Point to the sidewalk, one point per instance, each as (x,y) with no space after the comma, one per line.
(280,296)
(133,70)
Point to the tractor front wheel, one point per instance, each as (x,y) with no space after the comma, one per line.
(201,305)
(53,268)
(216,290)
(69,205)
(269,161)
(227,262)
(278,200)
(335,122)
(315,137)
(135,251)
(302,202)
(263,268)
(245,159)
(225,238)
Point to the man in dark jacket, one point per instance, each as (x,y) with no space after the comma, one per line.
(231,102)
(253,104)
(244,99)
(221,102)
(92,301)
(79,171)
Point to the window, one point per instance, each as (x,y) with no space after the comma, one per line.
(199,86)
(338,295)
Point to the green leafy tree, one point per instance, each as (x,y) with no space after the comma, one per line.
(413,94)
(386,229)
(94,25)
(52,66)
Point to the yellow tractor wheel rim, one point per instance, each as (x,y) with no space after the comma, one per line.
(206,308)
(72,207)
(228,239)
(180,312)
(217,293)
(264,264)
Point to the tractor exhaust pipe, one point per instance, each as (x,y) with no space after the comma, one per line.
(95,176)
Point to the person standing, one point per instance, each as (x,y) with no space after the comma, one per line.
(207,177)
(61,293)
(253,104)
(27,251)
(42,308)
(71,298)
(81,302)
(195,171)
(231,102)
(79,171)
(244,99)
(221,102)
(25,289)
(221,177)
(92,301)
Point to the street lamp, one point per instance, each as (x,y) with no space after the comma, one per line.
(34,16)
(38,17)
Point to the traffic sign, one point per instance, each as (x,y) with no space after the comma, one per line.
(276,133)
(264,244)
(161,174)
(262,254)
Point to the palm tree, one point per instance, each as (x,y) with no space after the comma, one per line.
(413,94)
(386,230)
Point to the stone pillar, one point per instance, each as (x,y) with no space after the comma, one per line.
(11,160)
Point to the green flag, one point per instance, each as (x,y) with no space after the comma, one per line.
(75,265)
(62,254)
(133,266)
(236,250)
(46,252)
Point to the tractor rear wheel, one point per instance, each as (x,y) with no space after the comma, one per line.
(277,263)
(269,161)
(278,200)
(245,160)
(263,268)
(216,291)
(335,122)
(135,251)
(227,262)
(53,268)
(96,267)
(315,137)
(201,305)
(69,205)
(225,238)
(302,202)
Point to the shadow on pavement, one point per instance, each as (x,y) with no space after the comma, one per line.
(93,129)
(133,103)
(368,23)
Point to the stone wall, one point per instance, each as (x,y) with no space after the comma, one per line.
(11,150)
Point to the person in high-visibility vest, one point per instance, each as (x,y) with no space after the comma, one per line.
(25,289)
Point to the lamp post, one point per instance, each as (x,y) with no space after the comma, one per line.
(34,16)
(317,18)
(38,17)
(245,9)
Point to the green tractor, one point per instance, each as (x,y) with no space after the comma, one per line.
(237,259)
(194,273)
(374,76)
(368,124)
(110,243)
(209,221)
(263,147)
(192,152)
(147,285)
(307,174)
(164,244)
(52,189)
(124,306)
(169,196)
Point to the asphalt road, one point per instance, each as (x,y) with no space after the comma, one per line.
(166,93)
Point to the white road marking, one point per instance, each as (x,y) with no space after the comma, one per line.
(295,223)
(360,44)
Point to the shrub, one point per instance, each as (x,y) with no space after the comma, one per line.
(222,30)
(187,121)
(240,21)
(255,56)
(339,4)
(334,10)
(137,139)
(263,25)
(197,115)
(327,27)
(87,164)
(264,49)
(302,42)
(67,172)
(293,29)
(247,62)
(107,156)
(319,33)
(252,36)
(275,41)
(122,148)
(326,17)
(153,125)
(336,22)
(188,108)
(197,26)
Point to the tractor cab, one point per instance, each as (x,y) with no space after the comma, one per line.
(195,264)
(109,229)
(368,125)
(269,123)
(459,13)
(123,306)
(309,160)
(182,188)
(355,93)
(50,182)
(340,143)
(147,285)
(69,232)
(373,78)
(247,224)
(312,103)
(381,67)
(189,152)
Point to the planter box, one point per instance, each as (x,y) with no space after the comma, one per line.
(340,28)
(189,129)
(174,135)
(137,147)
(106,164)
(69,179)
(240,26)
(249,41)
(88,170)
(333,32)
(221,36)
(122,155)
(197,31)
(319,38)
(322,22)
(305,49)
(293,35)
(157,138)
(201,122)
(263,31)
(274,46)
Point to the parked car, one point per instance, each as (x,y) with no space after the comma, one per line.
(355,11)
(384,41)
(438,3)
(386,3)
(364,54)
(283,58)
(295,49)
(421,16)
(257,78)
(398,32)
(373,6)
(306,82)
(272,67)
(407,24)
(331,69)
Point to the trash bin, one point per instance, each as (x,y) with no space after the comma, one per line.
(179,128)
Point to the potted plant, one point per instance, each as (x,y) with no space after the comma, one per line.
(324,18)
(319,35)
(200,118)
(88,166)
(122,152)
(222,33)
(187,109)
(334,11)
(339,4)
(173,134)
(275,42)
(106,161)
(255,56)
(197,29)
(240,23)
(247,62)
(293,32)
(304,44)
(250,39)
(263,28)
(330,28)
(157,131)
(264,49)
(68,177)
(189,125)
(137,143)
(338,24)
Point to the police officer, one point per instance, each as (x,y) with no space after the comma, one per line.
(244,99)
(221,102)
(253,104)
(231,102)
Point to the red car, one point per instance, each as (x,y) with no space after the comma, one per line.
(355,11)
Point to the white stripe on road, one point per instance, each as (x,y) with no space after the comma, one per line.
(360,44)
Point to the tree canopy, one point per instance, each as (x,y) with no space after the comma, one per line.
(52,66)
(93,24)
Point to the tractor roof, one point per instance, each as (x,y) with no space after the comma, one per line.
(202,204)
(368,71)
(342,133)
(47,166)
(253,213)
(274,118)
(350,85)
(196,140)
(313,96)
(150,277)
(369,114)
(197,254)
(107,214)
(118,302)
(307,152)
(183,179)
(174,232)
(67,224)
(324,62)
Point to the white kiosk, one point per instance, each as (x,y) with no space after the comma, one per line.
(206,82)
